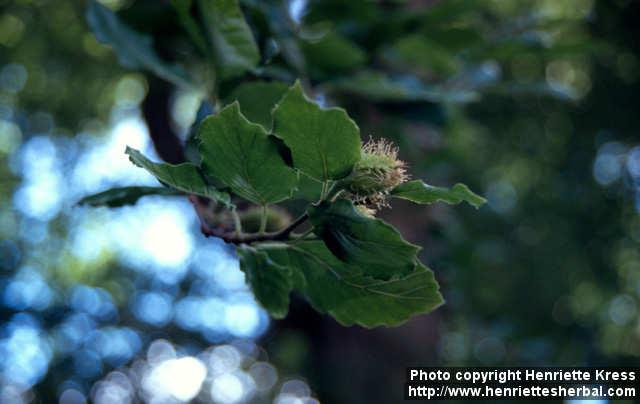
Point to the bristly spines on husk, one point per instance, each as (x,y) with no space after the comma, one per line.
(374,176)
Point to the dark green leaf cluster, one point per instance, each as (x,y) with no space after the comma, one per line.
(349,264)
(268,143)
(442,49)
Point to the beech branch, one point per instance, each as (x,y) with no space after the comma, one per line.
(234,238)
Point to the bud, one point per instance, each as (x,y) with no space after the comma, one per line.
(376,174)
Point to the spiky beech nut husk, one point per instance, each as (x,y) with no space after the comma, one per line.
(376,174)
(276,219)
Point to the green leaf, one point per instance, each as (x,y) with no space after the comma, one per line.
(419,192)
(418,53)
(308,189)
(454,39)
(134,50)
(444,13)
(234,49)
(191,143)
(184,177)
(351,298)
(366,242)
(324,143)
(271,283)
(537,88)
(378,87)
(116,197)
(242,155)
(257,99)
(183,9)
(332,54)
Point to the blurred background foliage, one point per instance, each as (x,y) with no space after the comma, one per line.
(532,103)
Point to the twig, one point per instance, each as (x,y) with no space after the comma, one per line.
(252,238)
